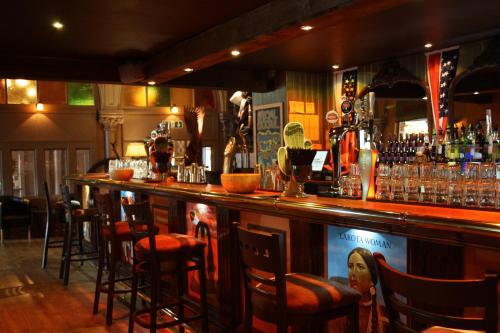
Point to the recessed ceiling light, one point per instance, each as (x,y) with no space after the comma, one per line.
(235,53)
(188,69)
(424,98)
(336,66)
(57,25)
(306,27)
(476,92)
(428,45)
(151,83)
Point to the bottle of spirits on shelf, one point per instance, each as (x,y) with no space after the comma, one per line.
(488,140)
(478,153)
(440,150)
(446,143)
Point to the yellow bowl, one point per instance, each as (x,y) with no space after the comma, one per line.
(122,174)
(240,182)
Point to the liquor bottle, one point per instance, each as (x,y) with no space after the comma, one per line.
(440,150)
(488,141)
(446,144)
(456,144)
(463,142)
(433,155)
(496,142)
(478,154)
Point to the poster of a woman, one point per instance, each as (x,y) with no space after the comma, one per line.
(202,223)
(350,261)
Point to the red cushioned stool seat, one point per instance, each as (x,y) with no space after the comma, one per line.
(306,293)
(123,232)
(169,244)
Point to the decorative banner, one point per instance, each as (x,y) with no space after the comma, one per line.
(350,261)
(268,128)
(441,70)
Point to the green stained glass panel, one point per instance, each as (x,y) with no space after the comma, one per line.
(158,96)
(80,94)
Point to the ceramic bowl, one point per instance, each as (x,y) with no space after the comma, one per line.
(122,174)
(240,182)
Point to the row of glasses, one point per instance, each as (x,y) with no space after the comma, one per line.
(350,185)
(474,185)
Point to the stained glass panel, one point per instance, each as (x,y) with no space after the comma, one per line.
(158,96)
(80,94)
(133,96)
(21,91)
(3,97)
(52,92)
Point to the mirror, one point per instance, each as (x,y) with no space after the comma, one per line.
(401,106)
(477,89)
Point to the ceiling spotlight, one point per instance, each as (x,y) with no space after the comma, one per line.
(336,66)
(424,98)
(306,27)
(476,92)
(235,53)
(428,45)
(188,69)
(57,25)
(151,83)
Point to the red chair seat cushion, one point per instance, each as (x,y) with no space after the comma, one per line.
(123,232)
(307,294)
(85,212)
(170,244)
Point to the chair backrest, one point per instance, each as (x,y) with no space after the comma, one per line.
(104,205)
(66,197)
(48,205)
(263,260)
(141,222)
(420,292)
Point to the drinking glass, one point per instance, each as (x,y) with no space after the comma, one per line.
(427,190)
(455,193)
(471,193)
(412,186)
(397,189)
(487,193)
(383,188)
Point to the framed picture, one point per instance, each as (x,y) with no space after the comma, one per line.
(267,132)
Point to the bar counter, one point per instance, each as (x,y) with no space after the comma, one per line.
(431,241)
(441,224)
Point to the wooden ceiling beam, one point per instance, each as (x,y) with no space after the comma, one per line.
(265,26)
(59,69)
(223,78)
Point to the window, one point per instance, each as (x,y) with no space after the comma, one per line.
(82,160)
(206,156)
(140,96)
(21,91)
(55,169)
(23,173)
(80,94)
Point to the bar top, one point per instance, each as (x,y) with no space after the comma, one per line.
(443,224)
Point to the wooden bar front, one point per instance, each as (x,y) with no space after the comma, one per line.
(441,242)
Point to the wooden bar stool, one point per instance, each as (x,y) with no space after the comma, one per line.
(112,235)
(76,217)
(49,224)
(288,299)
(440,293)
(150,252)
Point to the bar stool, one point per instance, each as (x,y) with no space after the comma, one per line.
(288,299)
(76,217)
(150,251)
(112,236)
(441,293)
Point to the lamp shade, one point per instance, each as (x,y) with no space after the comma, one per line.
(136,149)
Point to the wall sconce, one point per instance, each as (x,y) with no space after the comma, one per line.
(174,109)
(39,106)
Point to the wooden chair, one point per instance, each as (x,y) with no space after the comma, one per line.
(441,293)
(75,218)
(150,251)
(288,299)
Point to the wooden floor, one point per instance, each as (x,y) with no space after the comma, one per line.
(35,300)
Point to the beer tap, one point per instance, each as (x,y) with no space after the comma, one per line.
(356,118)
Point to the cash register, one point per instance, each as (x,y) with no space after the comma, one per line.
(321,173)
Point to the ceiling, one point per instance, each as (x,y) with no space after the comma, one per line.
(132,41)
